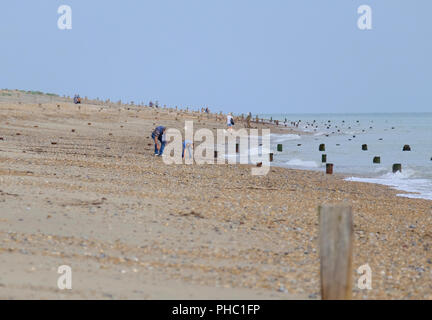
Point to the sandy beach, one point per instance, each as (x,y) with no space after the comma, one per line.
(80,186)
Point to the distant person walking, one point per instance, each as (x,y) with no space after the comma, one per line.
(248,120)
(230,121)
(158,135)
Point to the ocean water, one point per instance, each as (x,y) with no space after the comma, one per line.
(344,135)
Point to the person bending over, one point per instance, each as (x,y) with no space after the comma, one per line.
(158,137)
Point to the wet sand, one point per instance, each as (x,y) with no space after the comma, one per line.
(80,186)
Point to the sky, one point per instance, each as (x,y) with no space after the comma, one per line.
(272,56)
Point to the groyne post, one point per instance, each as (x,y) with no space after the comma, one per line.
(335,250)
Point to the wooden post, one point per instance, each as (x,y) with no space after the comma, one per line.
(324,158)
(329,168)
(364,147)
(377,159)
(271,157)
(279,147)
(215,154)
(335,243)
(237,148)
(406,148)
(322,147)
(397,167)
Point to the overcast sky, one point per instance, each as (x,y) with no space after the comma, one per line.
(272,56)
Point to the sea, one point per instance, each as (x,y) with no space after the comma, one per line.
(344,134)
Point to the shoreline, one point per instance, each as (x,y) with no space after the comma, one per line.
(82,188)
(369,178)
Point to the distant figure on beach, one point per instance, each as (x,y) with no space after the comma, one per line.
(230,121)
(187,144)
(207,110)
(248,120)
(158,135)
(77,99)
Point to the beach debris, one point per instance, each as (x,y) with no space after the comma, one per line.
(192,214)
(324,158)
(397,167)
(282,289)
(1,138)
(406,147)
(2,193)
(279,147)
(377,159)
(364,147)
(53,142)
(336,244)
(329,168)
(259,164)
(322,147)
(73,130)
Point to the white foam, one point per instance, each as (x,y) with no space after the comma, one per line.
(302,163)
(278,138)
(417,188)
(320,134)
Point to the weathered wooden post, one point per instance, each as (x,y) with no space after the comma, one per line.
(364,147)
(335,245)
(324,158)
(271,157)
(322,147)
(377,159)
(279,147)
(215,154)
(397,167)
(329,168)
(237,148)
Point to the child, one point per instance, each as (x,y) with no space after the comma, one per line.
(187,144)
